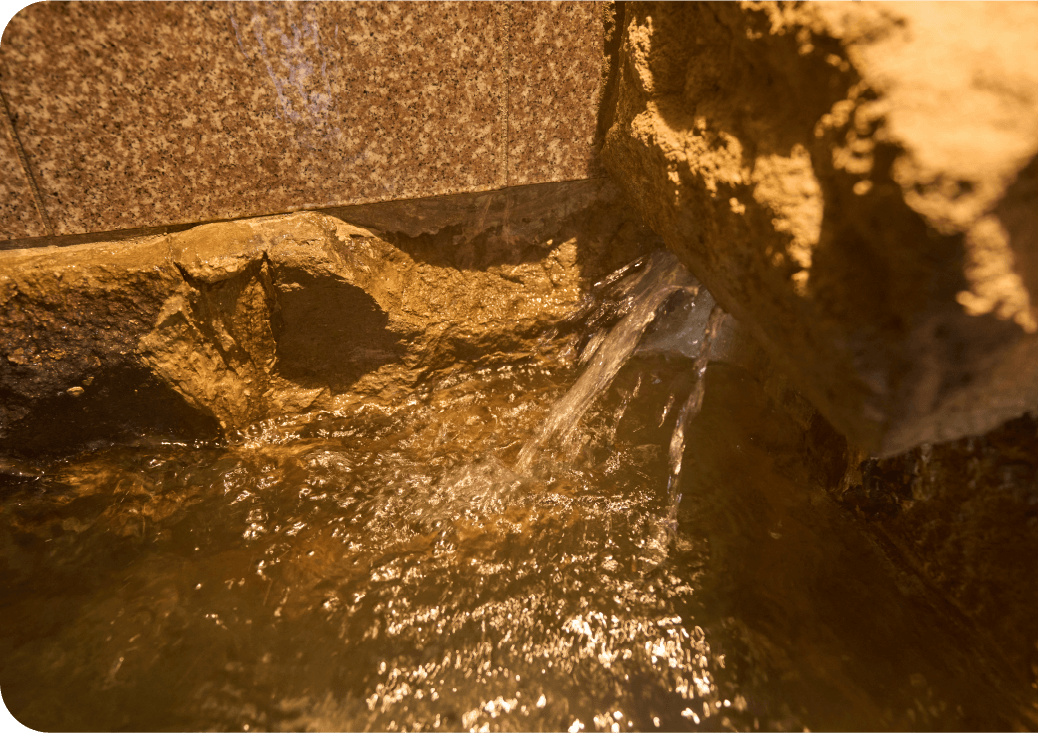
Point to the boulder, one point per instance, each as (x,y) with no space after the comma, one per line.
(858,184)
(208,331)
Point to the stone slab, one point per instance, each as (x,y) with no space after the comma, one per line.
(554,81)
(144,114)
(137,115)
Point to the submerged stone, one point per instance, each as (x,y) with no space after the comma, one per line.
(964,516)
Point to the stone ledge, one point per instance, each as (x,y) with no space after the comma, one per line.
(227,324)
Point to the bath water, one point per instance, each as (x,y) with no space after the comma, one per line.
(476,557)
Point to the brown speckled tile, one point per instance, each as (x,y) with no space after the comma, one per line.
(18,214)
(554,76)
(144,114)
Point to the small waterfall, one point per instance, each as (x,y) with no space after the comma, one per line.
(662,276)
(688,412)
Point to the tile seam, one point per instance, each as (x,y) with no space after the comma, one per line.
(37,197)
(508,97)
(158,230)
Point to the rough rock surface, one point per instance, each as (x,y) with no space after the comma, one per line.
(213,329)
(858,183)
(964,515)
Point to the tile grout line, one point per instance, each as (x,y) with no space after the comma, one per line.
(508,76)
(36,196)
(338,211)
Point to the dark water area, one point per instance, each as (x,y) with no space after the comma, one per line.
(386,570)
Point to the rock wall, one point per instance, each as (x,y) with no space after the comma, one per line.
(213,329)
(858,184)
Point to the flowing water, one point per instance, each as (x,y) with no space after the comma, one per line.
(660,278)
(497,551)
(689,411)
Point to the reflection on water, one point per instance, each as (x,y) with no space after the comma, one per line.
(377,570)
(388,570)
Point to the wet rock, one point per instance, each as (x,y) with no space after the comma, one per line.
(784,558)
(72,318)
(209,330)
(855,183)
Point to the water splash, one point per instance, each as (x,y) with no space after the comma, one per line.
(661,277)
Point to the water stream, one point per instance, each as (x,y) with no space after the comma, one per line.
(689,411)
(506,548)
(607,351)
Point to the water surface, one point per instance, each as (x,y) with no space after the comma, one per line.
(390,569)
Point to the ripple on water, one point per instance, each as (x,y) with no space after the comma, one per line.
(384,569)
(387,569)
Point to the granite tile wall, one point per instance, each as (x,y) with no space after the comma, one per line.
(19,216)
(554,75)
(147,114)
